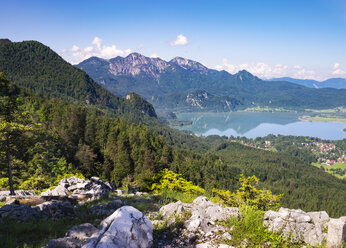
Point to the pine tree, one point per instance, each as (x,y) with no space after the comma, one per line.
(14,124)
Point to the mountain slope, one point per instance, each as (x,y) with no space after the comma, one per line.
(37,67)
(154,78)
(337,83)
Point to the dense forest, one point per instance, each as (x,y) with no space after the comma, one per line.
(75,138)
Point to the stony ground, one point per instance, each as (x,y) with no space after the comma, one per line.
(93,213)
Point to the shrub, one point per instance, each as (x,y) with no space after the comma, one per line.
(34,183)
(249,195)
(167,179)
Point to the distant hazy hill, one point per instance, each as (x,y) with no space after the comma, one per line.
(169,85)
(35,66)
(338,83)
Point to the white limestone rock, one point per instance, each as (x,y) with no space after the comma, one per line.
(126,227)
(336,232)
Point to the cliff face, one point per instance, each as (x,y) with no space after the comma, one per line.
(135,64)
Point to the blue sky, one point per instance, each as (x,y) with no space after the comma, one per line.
(270,38)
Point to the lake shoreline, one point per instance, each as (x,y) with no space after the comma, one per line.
(260,124)
(321,119)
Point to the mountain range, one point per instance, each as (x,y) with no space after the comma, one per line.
(185,85)
(337,83)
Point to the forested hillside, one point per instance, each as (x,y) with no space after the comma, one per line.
(70,138)
(37,67)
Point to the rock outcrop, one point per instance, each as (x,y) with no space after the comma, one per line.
(77,188)
(18,193)
(126,227)
(313,227)
(19,212)
(55,209)
(200,222)
(336,232)
(52,209)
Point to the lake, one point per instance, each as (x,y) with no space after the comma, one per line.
(259,124)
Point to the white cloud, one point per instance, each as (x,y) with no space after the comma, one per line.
(181,40)
(154,55)
(98,42)
(77,54)
(74,48)
(337,70)
(266,71)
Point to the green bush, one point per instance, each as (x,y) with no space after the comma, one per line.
(249,195)
(167,179)
(34,183)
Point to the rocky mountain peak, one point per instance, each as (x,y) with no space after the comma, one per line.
(189,64)
(135,64)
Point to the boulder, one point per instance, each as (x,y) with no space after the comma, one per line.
(306,227)
(336,232)
(200,223)
(126,227)
(59,190)
(55,209)
(66,242)
(19,212)
(78,188)
(173,209)
(319,217)
(82,232)
(294,223)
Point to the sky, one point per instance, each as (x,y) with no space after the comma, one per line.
(270,38)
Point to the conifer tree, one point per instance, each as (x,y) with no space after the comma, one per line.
(13,124)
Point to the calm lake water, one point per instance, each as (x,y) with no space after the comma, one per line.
(259,124)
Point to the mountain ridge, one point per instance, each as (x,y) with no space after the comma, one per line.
(154,78)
